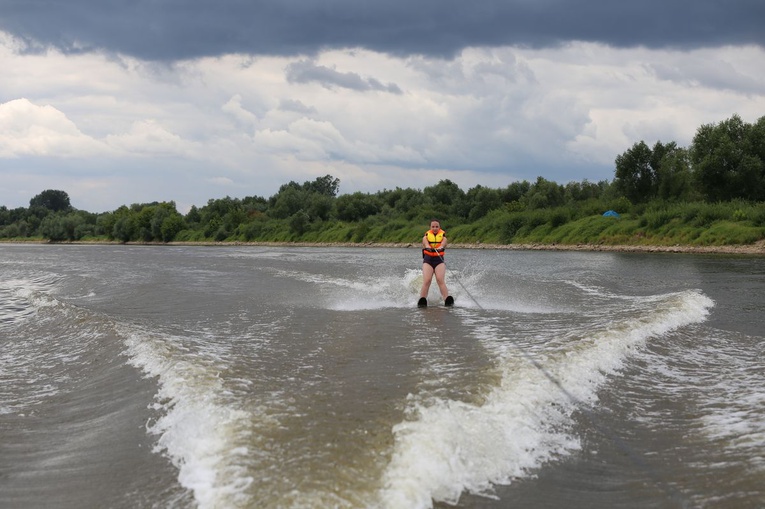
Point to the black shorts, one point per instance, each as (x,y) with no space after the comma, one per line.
(433,261)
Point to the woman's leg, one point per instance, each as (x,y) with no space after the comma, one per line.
(440,272)
(427,277)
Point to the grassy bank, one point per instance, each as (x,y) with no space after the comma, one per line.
(681,226)
(687,224)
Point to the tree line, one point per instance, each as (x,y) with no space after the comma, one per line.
(724,164)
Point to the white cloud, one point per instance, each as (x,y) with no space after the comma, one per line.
(234,108)
(27,129)
(220,181)
(149,138)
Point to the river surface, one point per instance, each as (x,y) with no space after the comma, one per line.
(277,377)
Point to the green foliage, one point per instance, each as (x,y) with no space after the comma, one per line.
(711,192)
(636,177)
(443,201)
(171,226)
(56,228)
(515,222)
(299,222)
(356,206)
(55,201)
(155,222)
(480,200)
(729,160)
(326,186)
(515,191)
(545,194)
(643,173)
(361,231)
(674,176)
(71,226)
(124,227)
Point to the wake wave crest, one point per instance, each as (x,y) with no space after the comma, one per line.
(197,430)
(447,447)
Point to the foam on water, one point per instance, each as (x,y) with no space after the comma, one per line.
(727,385)
(447,447)
(402,291)
(198,428)
(34,365)
(15,304)
(359,292)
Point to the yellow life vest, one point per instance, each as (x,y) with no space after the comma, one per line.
(434,239)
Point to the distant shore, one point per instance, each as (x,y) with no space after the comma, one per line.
(758,248)
(749,249)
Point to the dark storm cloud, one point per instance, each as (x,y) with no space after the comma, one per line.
(176,29)
(305,72)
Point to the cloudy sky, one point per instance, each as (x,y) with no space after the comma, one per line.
(156,100)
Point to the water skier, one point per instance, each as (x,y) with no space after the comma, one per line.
(433,245)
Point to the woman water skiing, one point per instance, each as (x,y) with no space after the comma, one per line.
(433,245)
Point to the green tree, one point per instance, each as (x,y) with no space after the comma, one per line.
(635,176)
(675,179)
(60,227)
(726,160)
(515,191)
(142,220)
(755,139)
(326,185)
(220,217)
(105,224)
(482,200)
(193,217)
(299,222)
(545,194)
(288,202)
(446,197)
(34,216)
(53,200)
(584,191)
(319,206)
(158,217)
(171,226)
(254,205)
(23,228)
(51,228)
(5,216)
(213,228)
(404,202)
(124,225)
(356,206)
(11,231)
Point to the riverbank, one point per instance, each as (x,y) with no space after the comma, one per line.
(758,248)
(750,249)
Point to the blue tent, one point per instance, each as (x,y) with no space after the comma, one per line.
(610,213)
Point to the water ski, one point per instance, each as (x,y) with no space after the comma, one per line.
(423,302)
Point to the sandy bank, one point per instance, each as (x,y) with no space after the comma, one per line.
(757,248)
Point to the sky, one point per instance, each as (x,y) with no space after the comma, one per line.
(120,102)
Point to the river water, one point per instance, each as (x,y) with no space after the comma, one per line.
(270,377)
